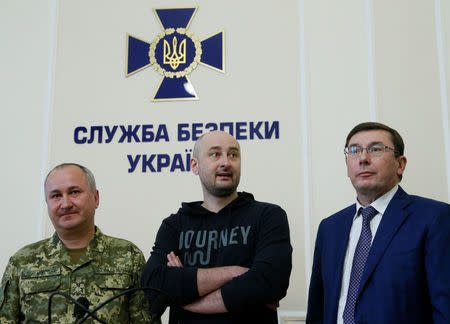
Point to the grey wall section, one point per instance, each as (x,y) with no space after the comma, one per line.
(25,59)
(359,61)
(408,89)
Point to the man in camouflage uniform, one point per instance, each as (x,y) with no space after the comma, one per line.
(78,260)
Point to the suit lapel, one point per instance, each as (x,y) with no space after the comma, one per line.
(339,237)
(393,218)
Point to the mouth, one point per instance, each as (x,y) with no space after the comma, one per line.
(365,174)
(67,215)
(224,175)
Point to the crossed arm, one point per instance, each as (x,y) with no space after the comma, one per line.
(209,282)
(224,288)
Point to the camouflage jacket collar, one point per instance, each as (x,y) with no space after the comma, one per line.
(56,247)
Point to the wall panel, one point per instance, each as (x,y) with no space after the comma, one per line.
(26,31)
(408,90)
(260,83)
(338,92)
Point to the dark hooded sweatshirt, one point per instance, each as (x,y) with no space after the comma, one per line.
(246,233)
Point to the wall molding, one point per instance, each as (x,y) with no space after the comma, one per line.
(291,317)
(443,87)
(51,63)
(371,62)
(307,188)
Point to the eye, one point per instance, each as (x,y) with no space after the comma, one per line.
(376,148)
(55,195)
(354,149)
(214,154)
(75,192)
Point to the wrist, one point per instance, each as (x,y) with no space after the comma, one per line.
(238,270)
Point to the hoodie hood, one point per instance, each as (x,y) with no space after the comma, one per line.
(195,208)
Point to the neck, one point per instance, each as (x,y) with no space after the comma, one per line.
(366,201)
(366,198)
(214,204)
(77,239)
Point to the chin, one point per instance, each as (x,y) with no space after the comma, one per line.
(225,191)
(69,224)
(365,188)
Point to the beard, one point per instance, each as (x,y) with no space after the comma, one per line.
(221,190)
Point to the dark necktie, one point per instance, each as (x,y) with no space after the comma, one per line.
(359,260)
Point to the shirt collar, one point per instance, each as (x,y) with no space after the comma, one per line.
(381,203)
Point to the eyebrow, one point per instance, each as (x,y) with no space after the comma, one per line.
(370,144)
(218,147)
(70,188)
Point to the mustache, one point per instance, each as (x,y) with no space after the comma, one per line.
(224,171)
(68,212)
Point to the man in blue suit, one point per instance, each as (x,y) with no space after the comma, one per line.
(385,259)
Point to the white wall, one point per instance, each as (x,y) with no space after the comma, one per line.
(350,62)
(26,31)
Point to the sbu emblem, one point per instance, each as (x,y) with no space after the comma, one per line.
(175,53)
(172,57)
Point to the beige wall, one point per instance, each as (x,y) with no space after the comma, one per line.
(27,32)
(348,62)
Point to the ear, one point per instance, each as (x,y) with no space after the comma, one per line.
(401,164)
(194,165)
(346,164)
(97,198)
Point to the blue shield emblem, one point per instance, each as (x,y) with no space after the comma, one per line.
(174,53)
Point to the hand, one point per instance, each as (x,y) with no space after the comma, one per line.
(173,260)
(273,306)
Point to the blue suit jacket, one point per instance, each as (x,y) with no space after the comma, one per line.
(407,273)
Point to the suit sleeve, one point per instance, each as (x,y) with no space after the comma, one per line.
(9,296)
(437,264)
(268,277)
(315,297)
(178,283)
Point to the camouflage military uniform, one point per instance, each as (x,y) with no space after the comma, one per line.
(109,266)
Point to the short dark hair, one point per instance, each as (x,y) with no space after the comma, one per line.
(88,174)
(397,140)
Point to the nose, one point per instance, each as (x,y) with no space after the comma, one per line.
(66,203)
(364,157)
(224,161)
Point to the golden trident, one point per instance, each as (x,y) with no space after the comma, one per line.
(172,57)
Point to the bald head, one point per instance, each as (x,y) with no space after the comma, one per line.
(200,144)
